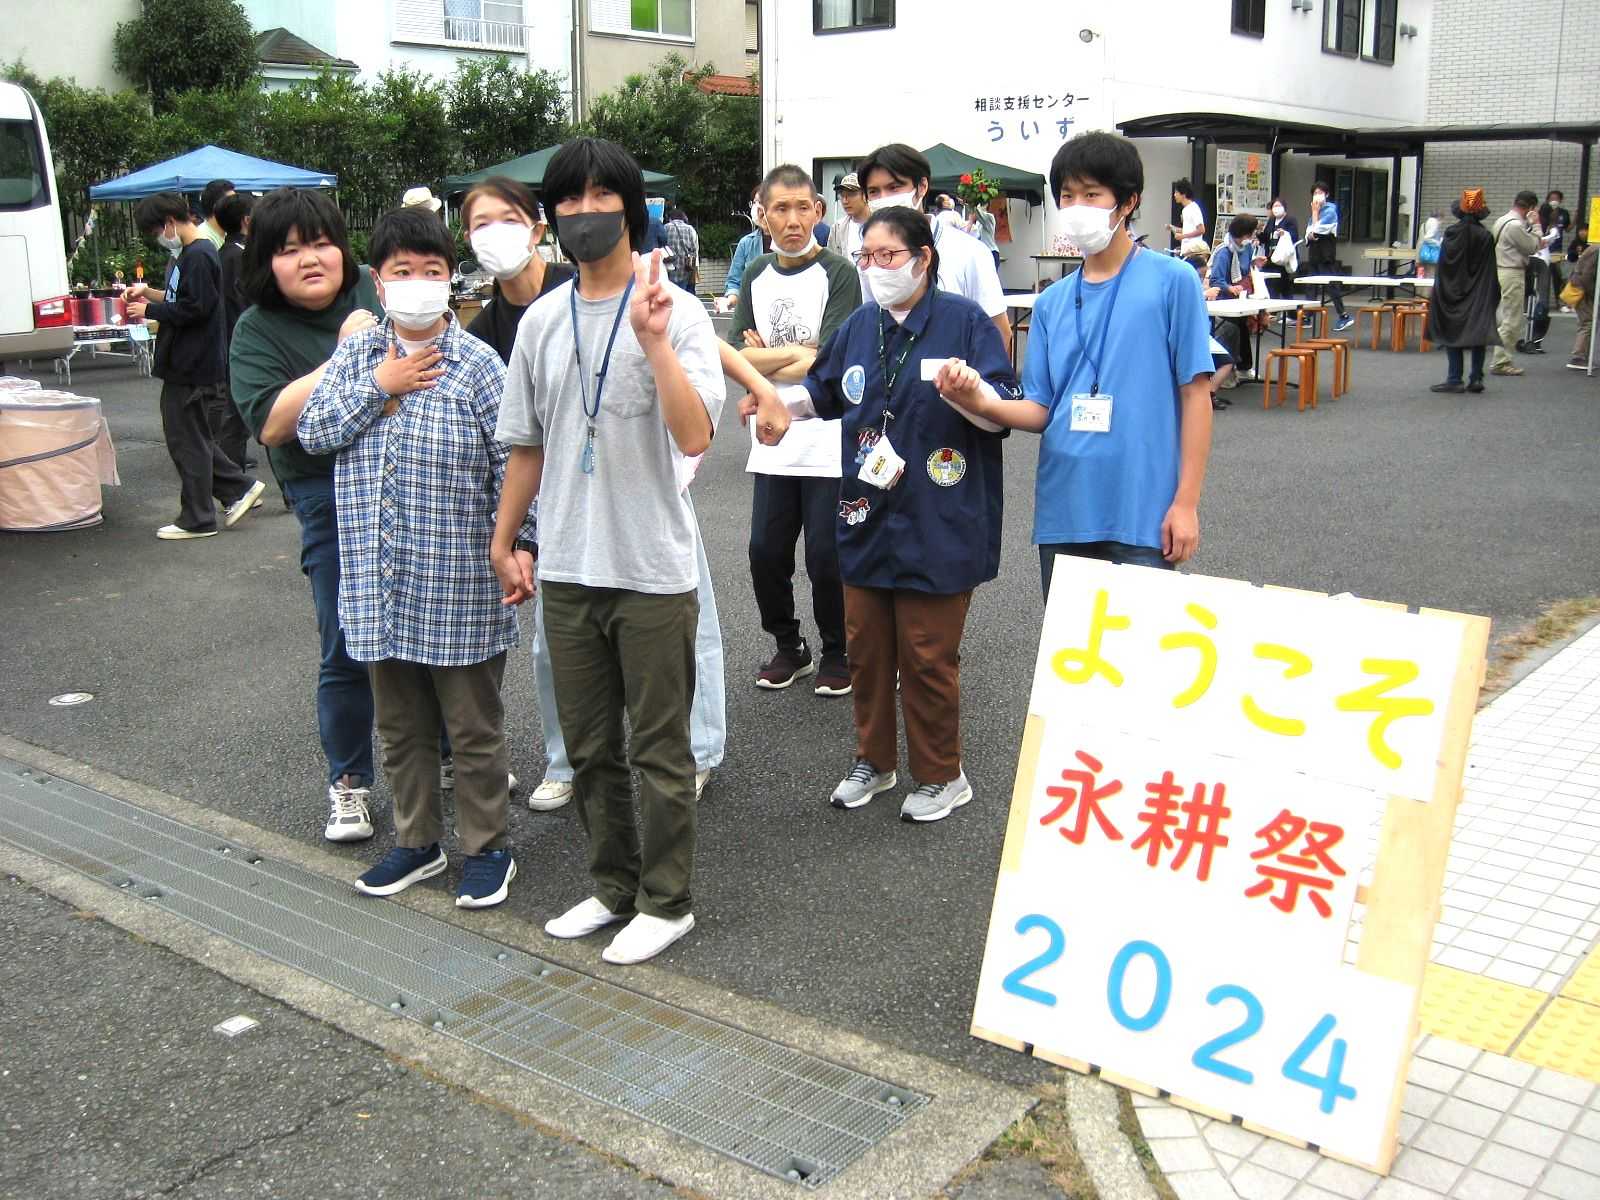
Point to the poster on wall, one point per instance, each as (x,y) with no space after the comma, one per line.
(1244,182)
(1208,772)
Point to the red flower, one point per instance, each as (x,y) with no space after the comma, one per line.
(966,179)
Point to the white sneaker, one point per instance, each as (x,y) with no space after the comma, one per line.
(349,813)
(447,776)
(177,533)
(582,919)
(550,795)
(700,778)
(237,510)
(645,937)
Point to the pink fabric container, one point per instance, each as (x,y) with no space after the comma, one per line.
(55,453)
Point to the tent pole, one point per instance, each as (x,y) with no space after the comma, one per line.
(1392,231)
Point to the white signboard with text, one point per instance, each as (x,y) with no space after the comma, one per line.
(1205,775)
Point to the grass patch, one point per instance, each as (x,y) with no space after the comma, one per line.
(1044,1136)
(1128,1123)
(1555,623)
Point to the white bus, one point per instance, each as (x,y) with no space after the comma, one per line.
(35,317)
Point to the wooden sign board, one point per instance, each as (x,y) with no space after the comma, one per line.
(1208,771)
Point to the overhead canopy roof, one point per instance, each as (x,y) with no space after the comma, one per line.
(192,171)
(1355,143)
(530,169)
(947,165)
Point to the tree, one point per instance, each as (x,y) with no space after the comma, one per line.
(182,45)
(501,112)
(711,143)
(424,147)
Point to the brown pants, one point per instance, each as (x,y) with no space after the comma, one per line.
(919,635)
(409,701)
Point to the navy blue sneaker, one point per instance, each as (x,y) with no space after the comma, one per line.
(401,868)
(486,879)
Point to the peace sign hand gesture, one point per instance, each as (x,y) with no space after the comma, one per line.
(651,306)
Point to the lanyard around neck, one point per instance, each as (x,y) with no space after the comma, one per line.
(605,363)
(1105,321)
(890,375)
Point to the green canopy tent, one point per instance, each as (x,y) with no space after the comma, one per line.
(530,168)
(947,165)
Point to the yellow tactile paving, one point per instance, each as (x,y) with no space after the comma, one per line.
(1566,1038)
(1585,982)
(1475,1009)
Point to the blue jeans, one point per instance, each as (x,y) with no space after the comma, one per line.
(344,695)
(708,715)
(1453,356)
(1112,552)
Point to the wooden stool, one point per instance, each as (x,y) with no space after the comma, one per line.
(1306,356)
(1377,312)
(1401,323)
(1340,349)
(1307,315)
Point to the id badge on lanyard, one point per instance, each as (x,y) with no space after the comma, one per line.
(1091,410)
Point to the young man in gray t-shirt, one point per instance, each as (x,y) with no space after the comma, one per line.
(614,382)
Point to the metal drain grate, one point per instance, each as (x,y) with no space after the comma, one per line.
(776,1108)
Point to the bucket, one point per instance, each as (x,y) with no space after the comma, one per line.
(55,453)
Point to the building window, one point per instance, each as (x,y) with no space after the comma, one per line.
(1341,27)
(752,27)
(842,16)
(1377,31)
(644,18)
(496,23)
(1250,17)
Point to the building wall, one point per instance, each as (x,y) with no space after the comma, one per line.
(34,33)
(914,87)
(365,32)
(1503,61)
(719,40)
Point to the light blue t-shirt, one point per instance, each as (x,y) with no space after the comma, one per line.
(1115,486)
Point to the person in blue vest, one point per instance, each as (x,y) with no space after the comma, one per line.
(919,504)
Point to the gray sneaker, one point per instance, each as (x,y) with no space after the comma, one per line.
(863,783)
(936,801)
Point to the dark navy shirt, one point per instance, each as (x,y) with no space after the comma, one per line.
(938,529)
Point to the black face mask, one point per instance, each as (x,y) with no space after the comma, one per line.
(589,237)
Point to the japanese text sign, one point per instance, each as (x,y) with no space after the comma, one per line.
(1204,778)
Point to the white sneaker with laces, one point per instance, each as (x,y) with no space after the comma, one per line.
(644,937)
(582,919)
(349,812)
(550,795)
(237,510)
(177,533)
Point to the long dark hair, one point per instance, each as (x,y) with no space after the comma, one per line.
(914,229)
(278,214)
(587,160)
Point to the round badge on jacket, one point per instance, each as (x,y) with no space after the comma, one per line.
(855,383)
(946,466)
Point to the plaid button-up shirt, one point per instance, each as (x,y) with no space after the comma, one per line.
(416,492)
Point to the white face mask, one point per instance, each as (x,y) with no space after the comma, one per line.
(170,244)
(416,303)
(891,287)
(1277,210)
(755,214)
(907,199)
(1318,197)
(1090,229)
(503,248)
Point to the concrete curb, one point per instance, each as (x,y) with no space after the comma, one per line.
(965,1115)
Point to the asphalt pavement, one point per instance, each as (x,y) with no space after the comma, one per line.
(202,659)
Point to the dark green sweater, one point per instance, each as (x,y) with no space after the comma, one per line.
(272,347)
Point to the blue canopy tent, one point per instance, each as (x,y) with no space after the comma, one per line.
(192,171)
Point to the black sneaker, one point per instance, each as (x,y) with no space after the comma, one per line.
(401,868)
(1577,364)
(1475,386)
(1453,388)
(786,666)
(833,679)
